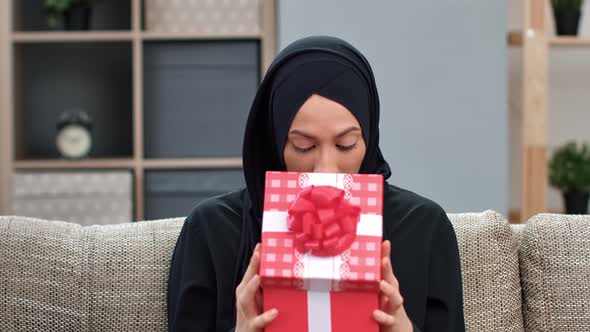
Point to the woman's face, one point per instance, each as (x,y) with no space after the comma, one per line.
(324,137)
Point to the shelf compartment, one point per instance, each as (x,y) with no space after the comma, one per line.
(59,77)
(29,15)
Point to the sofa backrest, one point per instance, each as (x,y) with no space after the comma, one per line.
(555,273)
(489,265)
(57,276)
(114,277)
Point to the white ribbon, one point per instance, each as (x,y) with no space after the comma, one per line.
(277,221)
(319,312)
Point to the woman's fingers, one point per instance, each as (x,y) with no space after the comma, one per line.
(385,249)
(394,298)
(251,270)
(258,300)
(386,267)
(253,266)
(249,299)
(247,296)
(261,321)
(383,319)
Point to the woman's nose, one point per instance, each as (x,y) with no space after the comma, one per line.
(326,162)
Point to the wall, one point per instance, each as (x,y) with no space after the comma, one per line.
(441,72)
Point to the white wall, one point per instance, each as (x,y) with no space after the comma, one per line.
(441,72)
(569,97)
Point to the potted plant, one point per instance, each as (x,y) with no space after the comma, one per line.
(567,16)
(68,14)
(569,171)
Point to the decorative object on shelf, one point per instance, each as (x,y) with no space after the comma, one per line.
(68,14)
(567,15)
(74,139)
(203,16)
(569,171)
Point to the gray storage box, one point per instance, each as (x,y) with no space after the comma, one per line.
(81,197)
(175,193)
(197,96)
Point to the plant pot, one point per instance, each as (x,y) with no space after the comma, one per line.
(78,18)
(567,21)
(576,202)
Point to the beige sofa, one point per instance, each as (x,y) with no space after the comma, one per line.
(57,276)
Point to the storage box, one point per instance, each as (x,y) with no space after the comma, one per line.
(316,283)
(81,197)
(197,96)
(175,193)
(203,16)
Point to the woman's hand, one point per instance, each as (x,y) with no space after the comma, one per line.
(249,316)
(391,316)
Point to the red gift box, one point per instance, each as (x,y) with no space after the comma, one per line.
(312,290)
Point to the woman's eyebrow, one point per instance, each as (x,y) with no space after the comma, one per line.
(300,133)
(348,130)
(342,133)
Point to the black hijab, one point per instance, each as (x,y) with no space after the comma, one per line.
(326,66)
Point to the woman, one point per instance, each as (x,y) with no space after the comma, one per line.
(317,110)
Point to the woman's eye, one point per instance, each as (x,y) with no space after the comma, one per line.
(303,150)
(346,147)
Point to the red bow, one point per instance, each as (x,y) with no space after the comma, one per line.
(324,222)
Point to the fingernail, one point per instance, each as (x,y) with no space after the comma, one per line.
(274,312)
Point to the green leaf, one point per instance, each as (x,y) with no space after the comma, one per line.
(559,5)
(569,167)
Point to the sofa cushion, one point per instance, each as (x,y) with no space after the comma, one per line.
(555,273)
(41,268)
(61,276)
(489,266)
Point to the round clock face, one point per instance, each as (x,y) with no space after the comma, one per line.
(74,141)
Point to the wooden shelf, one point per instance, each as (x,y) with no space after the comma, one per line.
(63,36)
(74,164)
(514,215)
(192,163)
(515,39)
(130,163)
(569,42)
(196,36)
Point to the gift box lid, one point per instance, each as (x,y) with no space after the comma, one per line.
(284,265)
